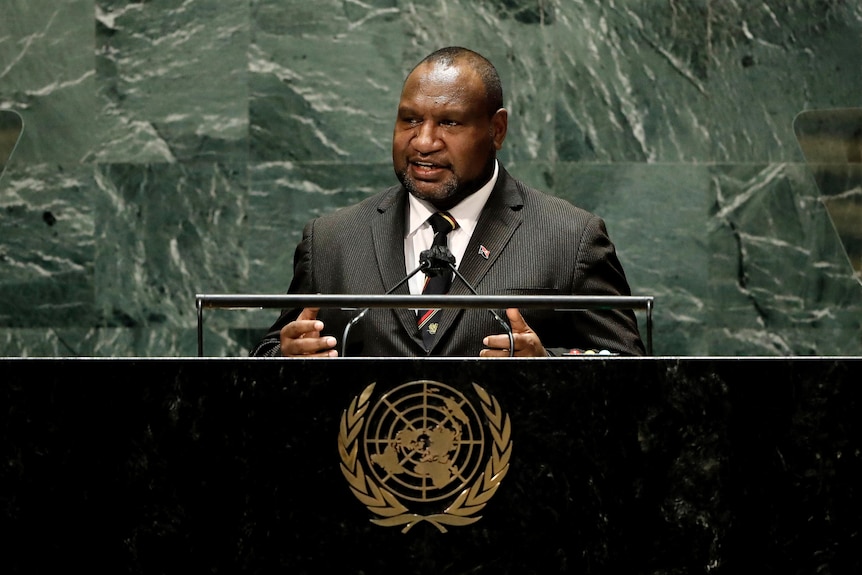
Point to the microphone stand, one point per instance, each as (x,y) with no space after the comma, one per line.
(439,260)
(435,261)
(360,315)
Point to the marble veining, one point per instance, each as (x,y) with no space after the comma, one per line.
(175,148)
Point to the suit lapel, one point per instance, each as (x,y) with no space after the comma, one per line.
(387,230)
(500,217)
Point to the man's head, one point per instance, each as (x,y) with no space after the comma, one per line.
(450,124)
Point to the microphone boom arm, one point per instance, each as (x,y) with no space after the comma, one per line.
(433,262)
(506,327)
(360,315)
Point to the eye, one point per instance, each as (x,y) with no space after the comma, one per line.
(449,123)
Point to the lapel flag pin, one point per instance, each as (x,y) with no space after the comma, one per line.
(483,251)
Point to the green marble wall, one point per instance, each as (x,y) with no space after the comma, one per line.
(176,147)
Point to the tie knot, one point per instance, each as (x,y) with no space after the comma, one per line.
(442,222)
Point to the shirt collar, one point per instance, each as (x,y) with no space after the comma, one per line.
(466,213)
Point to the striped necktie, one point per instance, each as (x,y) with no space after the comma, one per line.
(442,223)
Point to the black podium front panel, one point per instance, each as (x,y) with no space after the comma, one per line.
(583,465)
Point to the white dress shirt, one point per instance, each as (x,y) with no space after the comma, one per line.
(420,234)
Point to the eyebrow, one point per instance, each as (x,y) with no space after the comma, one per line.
(458,110)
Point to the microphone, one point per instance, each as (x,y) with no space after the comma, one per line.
(434,261)
(439,260)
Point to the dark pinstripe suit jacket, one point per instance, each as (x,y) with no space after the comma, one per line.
(538,245)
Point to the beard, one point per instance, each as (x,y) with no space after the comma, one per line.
(449,193)
(442,194)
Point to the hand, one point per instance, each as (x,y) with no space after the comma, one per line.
(301,337)
(527,343)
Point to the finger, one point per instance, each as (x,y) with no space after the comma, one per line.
(500,342)
(527,342)
(302,329)
(494,353)
(301,337)
(324,353)
(327,353)
(309,346)
(516,320)
(305,325)
(308,313)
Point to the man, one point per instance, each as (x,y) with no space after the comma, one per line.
(508,239)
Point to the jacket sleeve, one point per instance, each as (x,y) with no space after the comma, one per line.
(601,273)
(269,345)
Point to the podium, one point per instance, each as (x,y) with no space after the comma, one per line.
(359,303)
(570,465)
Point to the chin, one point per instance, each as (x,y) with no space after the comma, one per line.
(442,192)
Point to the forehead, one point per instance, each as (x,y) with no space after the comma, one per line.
(442,85)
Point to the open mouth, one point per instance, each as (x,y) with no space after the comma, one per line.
(426,169)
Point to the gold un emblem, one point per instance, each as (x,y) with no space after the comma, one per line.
(423,452)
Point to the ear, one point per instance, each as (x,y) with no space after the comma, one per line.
(499,125)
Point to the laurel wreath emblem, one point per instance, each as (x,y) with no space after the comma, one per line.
(389,509)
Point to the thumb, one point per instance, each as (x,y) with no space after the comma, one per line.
(516,320)
(308,313)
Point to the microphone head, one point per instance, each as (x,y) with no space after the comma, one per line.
(436,261)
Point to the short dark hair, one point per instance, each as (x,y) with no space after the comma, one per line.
(486,70)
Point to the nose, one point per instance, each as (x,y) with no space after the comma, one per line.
(426,139)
